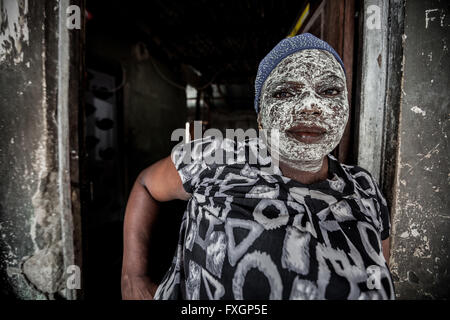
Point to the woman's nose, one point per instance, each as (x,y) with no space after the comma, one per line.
(307,105)
(308,108)
(311,109)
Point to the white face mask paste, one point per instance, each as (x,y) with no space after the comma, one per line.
(306,88)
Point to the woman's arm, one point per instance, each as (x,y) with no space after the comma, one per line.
(157,183)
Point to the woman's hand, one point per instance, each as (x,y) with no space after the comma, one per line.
(138,288)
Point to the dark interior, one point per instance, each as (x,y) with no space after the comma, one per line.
(140,56)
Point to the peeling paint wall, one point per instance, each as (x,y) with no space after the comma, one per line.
(420,245)
(14,33)
(33,253)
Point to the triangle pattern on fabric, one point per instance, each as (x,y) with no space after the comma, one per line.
(209,281)
(235,252)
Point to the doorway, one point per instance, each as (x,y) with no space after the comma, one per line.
(150,67)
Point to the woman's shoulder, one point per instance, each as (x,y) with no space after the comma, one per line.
(362,179)
(353,169)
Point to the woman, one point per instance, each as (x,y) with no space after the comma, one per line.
(311,228)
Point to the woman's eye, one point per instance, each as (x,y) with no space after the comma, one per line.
(282,94)
(330,92)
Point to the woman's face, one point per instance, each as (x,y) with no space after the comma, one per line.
(305,99)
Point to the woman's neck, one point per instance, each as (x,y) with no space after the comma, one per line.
(305,177)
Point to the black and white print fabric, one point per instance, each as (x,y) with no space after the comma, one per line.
(249,233)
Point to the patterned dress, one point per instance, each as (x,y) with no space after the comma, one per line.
(249,232)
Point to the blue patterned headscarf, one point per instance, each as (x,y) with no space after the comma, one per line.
(283,49)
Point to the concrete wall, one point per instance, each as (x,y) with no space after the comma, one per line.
(36,222)
(421,218)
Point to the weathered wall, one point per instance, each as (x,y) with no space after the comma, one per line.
(33,217)
(421,219)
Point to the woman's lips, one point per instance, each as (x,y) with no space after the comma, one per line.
(307,134)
